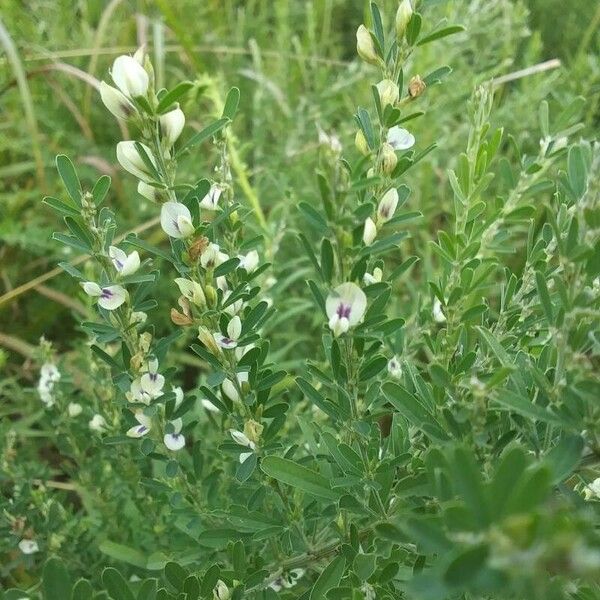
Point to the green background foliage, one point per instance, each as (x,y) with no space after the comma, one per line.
(492,428)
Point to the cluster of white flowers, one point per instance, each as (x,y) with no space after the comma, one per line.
(49,376)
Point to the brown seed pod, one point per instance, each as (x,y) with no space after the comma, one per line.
(197,248)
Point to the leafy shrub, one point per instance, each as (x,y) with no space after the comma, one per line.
(370,386)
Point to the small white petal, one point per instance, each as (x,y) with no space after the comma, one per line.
(240,438)
(234,328)
(171,125)
(97,423)
(209,406)
(112,297)
(400,139)
(91,288)
(132,162)
(28,546)
(369,231)
(224,342)
(211,200)
(174,441)
(74,409)
(244,456)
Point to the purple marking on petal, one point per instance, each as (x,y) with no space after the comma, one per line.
(153,376)
(176,225)
(106,294)
(142,429)
(118,263)
(343,310)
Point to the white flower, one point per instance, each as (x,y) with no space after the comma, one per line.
(191,290)
(212,257)
(109,298)
(368,591)
(438,315)
(116,102)
(129,76)
(389,160)
(149,192)
(287,580)
(332,142)
(74,409)
(221,591)
(230,390)
(394,368)
(375,277)
(138,316)
(171,125)
(175,441)
(345,307)
(28,546)
(130,159)
(403,16)
(176,220)
(234,329)
(388,92)
(400,139)
(387,205)
(369,231)
(50,372)
(178,395)
(209,406)
(97,423)
(242,439)
(250,261)
(146,388)
(211,200)
(145,423)
(365,46)
(125,264)
(49,375)
(592,490)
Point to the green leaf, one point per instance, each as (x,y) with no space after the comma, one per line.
(67,173)
(56,580)
(326,260)
(465,567)
(564,457)
(123,553)
(100,190)
(440,33)
(175,575)
(231,103)
(523,406)
(577,171)
(542,288)
(82,590)
(330,577)
(364,565)
(413,410)
(173,96)
(148,590)
(298,476)
(204,134)
(116,585)
(61,206)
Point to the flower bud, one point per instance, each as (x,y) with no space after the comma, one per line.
(388,92)
(130,77)
(365,46)
(149,191)
(171,125)
(416,86)
(394,368)
(116,102)
(361,143)
(369,232)
(197,247)
(389,160)
(132,162)
(387,205)
(221,591)
(253,430)
(206,337)
(403,16)
(211,296)
(180,319)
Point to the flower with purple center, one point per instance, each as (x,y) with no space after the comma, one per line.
(148,387)
(345,307)
(125,264)
(234,330)
(175,440)
(109,297)
(143,427)
(176,220)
